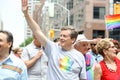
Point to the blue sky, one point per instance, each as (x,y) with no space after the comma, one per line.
(13,19)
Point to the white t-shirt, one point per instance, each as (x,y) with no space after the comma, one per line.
(64,65)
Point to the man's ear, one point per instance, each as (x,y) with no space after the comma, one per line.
(73,40)
(9,44)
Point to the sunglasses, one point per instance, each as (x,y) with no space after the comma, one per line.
(92,44)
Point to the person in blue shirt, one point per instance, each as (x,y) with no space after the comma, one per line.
(11,67)
(98,57)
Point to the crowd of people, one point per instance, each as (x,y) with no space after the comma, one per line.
(71,57)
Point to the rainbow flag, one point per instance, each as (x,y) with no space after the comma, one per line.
(112,21)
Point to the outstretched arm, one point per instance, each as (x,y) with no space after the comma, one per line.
(32,24)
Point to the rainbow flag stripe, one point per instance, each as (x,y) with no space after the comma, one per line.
(112,21)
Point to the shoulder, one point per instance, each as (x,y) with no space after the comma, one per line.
(97,72)
(78,55)
(14,63)
(97,66)
(88,54)
(17,61)
(51,45)
(98,69)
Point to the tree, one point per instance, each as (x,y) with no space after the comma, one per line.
(26,42)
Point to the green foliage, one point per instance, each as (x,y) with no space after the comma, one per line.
(26,42)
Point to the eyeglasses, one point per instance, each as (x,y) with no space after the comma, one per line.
(112,47)
(92,44)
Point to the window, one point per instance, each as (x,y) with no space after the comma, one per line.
(97,33)
(98,12)
(116,8)
(70,4)
(71,19)
(115,34)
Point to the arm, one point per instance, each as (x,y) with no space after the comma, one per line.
(31,62)
(97,72)
(32,24)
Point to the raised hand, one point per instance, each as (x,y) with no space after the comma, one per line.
(42,1)
(24,6)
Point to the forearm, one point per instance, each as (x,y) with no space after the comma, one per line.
(30,63)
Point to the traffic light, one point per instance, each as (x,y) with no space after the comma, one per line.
(116,8)
(51,33)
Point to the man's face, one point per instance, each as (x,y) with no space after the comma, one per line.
(4,45)
(92,46)
(82,47)
(36,42)
(65,39)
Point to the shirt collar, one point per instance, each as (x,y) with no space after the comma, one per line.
(10,58)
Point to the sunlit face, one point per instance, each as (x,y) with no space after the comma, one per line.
(4,45)
(65,40)
(19,51)
(83,47)
(111,51)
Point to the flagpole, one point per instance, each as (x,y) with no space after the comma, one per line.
(106,30)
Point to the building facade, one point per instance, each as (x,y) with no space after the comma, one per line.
(84,15)
(95,12)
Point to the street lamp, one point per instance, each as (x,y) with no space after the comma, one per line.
(66,10)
